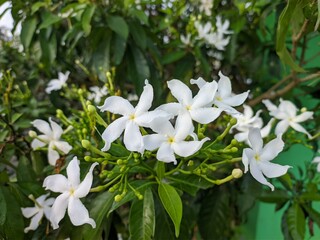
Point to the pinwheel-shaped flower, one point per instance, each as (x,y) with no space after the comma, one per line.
(57,84)
(287,114)
(171,141)
(131,119)
(51,137)
(258,158)
(188,108)
(97,93)
(71,190)
(42,207)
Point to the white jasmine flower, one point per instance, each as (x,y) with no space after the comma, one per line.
(132,118)
(170,140)
(42,207)
(71,190)
(186,40)
(206,6)
(57,84)
(51,137)
(97,93)
(217,40)
(188,108)
(258,158)
(222,28)
(203,30)
(316,160)
(287,114)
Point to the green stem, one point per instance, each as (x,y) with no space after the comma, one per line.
(233,160)
(220,137)
(103,187)
(175,169)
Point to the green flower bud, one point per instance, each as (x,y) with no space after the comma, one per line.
(87,158)
(80,91)
(84,131)
(118,198)
(237,173)
(234,149)
(119,161)
(139,196)
(234,142)
(32,134)
(86,144)
(190,163)
(233,121)
(91,109)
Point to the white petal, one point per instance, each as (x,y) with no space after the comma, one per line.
(41,199)
(37,144)
(303,117)
(53,155)
(224,86)
(35,220)
(28,212)
(288,107)
(146,118)
(186,149)
(117,105)
(247,156)
(53,85)
(242,136)
(165,154)
(248,112)
(281,127)
(56,129)
(270,106)
(236,100)
(146,99)
(113,131)
(56,183)
(205,115)
(266,130)
(63,146)
(73,172)
(205,95)
(257,174)
(316,160)
(132,137)
(162,126)
(299,128)
(180,91)
(85,186)
(255,139)
(42,126)
(183,127)
(58,209)
(153,141)
(200,82)
(272,170)
(78,213)
(172,108)
(272,149)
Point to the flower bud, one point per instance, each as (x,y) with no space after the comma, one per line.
(304,109)
(118,198)
(91,109)
(190,163)
(234,149)
(237,173)
(86,144)
(32,134)
(87,158)
(233,121)
(234,142)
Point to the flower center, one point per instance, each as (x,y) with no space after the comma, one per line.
(71,191)
(170,140)
(188,107)
(132,117)
(257,157)
(219,98)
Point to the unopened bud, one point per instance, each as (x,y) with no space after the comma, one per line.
(303,109)
(32,134)
(190,163)
(91,109)
(233,121)
(87,158)
(234,149)
(86,144)
(118,198)
(119,161)
(80,91)
(237,173)
(234,142)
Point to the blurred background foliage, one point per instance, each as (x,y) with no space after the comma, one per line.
(273,51)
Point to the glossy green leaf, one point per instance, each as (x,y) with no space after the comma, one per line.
(86,18)
(172,203)
(98,210)
(119,48)
(3,207)
(173,56)
(27,31)
(160,169)
(275,196)
(138,34)
(313,214)
(36,6)
(48,47)
(142,217)
(25,172)
(48,19)
(296,221)
(118,25)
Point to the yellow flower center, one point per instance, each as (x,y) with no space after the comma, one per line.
(257,157)
(132,117)
(71,191)
(188,107)
(170,140)
(219,98)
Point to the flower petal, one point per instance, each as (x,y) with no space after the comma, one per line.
(281,127)
(166,154)
(162,126)
(113,131)
(257,174)
(53,85)
(132,137)
(269,105)
(28,212)
(58,209)
(37,144)
(266,129)
(186,149)
(288,107)
(56,129)
(236,100)
(73,172)
(272,149)
(63,146)
(303,117)
(299,128)
(42,126)
(205,115)
(35,220)
(146,118)
(56,183)
(183,126)
(85,186)
(78,213)
(224,86)
(172,108)
(117,105)
(247,156)
(53,155)
(153,141)
(145,100)
(272,170)
(180,91)
(200,82)
(255,139)
(205,95)
(242,136)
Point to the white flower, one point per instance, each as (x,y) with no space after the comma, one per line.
(287,113)
(132,118)
(42,207)
(186,40)
(206,6)
(317,161)
(170,141)
(203,30)
(258,158)
(222,28)
(188,108)
(97,93)
(57,84)
(217,40)
(71,190)
(51,137)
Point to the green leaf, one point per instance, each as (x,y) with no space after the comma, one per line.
(48,46)
(98,209)
(138,34)
(313,214)
(275,196)
(142,217)
(3,207)
(173,56)
(160,169)
(15,117)
(283,27)
(119,48)
(296,221)
(48,19)
(27,31)
(35,7)
(118,25)
(86,18)
(25,172)
(172,203)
